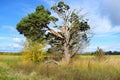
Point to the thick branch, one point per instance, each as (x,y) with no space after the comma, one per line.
(55,33)
(64,29)
(75,51)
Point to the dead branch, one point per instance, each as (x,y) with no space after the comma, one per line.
(75,51)
(52,61)
(55,33)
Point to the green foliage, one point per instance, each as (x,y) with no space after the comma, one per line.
(53,18)
(61,8)
(34,24)
(34,51)
(56,44)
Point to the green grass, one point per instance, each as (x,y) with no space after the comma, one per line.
(81,68)
(6,63)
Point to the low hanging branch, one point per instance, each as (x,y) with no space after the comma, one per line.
(52,61)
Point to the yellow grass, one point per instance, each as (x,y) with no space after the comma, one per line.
(80,68)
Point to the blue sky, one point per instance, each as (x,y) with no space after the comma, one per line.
(103,15)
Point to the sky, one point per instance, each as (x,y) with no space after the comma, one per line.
(103,16)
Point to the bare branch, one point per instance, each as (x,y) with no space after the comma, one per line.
(64,29)
(52,61)
(75,51)
(55,33)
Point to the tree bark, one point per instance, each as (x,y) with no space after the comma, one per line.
(66,56)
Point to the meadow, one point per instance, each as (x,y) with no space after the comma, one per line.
(12,67)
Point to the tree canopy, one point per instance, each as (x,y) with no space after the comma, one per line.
(72,34)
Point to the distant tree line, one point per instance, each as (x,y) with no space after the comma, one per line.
(106,53)
(112,53)
(10,53)
(86,53)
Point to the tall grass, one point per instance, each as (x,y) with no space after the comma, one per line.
(80,68)
(6,63)
(83,68)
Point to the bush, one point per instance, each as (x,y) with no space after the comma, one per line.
(100,55)
(34,51)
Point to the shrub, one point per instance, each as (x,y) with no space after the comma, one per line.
(34,51)
(100,55)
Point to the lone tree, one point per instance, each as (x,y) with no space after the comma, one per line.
(67,38)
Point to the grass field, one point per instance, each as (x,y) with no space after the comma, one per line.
(81,68)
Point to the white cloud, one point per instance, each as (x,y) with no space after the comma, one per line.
(111,48)
(17,43)
(102,25)
(18,40)
(112,9)
(14,45)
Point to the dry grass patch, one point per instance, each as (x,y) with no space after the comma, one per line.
(81,68)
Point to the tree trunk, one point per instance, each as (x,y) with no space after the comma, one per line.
(66,56)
